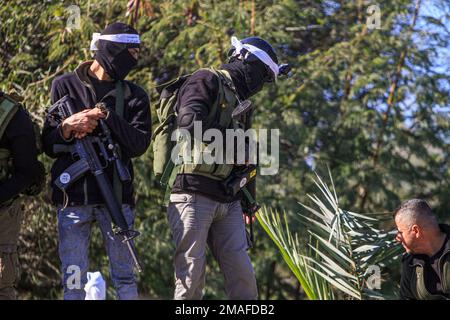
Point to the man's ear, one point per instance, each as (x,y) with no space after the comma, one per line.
(417,230)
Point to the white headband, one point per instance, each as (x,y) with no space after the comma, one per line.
(122,37)
(261,54)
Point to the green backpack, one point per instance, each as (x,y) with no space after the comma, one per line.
(165,110)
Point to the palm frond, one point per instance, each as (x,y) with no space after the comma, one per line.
(342,245)
(314,286)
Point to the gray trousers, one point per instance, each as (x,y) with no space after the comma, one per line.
(197,222)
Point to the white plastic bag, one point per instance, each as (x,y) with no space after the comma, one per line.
(95,287)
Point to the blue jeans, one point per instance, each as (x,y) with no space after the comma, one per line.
(74,228)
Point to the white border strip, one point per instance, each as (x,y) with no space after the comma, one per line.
(121,37)
(261,54)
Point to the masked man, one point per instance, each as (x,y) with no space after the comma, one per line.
(19,172)
(203,209)
(426,264)
(101,80)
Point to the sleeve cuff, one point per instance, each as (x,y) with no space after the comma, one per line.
(62,136)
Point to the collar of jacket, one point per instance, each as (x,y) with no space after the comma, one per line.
(82,74)
(419,259)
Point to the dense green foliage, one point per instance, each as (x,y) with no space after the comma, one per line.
(372,104)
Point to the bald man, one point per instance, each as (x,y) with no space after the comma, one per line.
(426,263)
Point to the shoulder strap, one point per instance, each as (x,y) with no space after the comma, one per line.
(421,290)
(226,78)
(119,108)
(120,98)
(445,275)
(227,95)
(8,108)
(229,100)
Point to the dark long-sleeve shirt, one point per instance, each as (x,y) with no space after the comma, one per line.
(20,140)
(132,131)
(195,99)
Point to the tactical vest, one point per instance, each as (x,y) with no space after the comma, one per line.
(421,291)
(221,114)
(8,108)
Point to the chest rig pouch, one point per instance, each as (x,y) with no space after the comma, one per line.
(421,290)
(219,118)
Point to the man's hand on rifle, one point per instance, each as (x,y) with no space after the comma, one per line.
(82,123)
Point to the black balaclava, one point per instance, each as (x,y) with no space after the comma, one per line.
(248,77)
(114,56)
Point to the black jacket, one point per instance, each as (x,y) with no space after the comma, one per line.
(20,140)
(132,131)
(195,99)
(408,280)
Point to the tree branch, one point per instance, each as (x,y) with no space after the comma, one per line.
(390,102)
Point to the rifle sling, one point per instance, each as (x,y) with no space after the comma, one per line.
(119,107)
